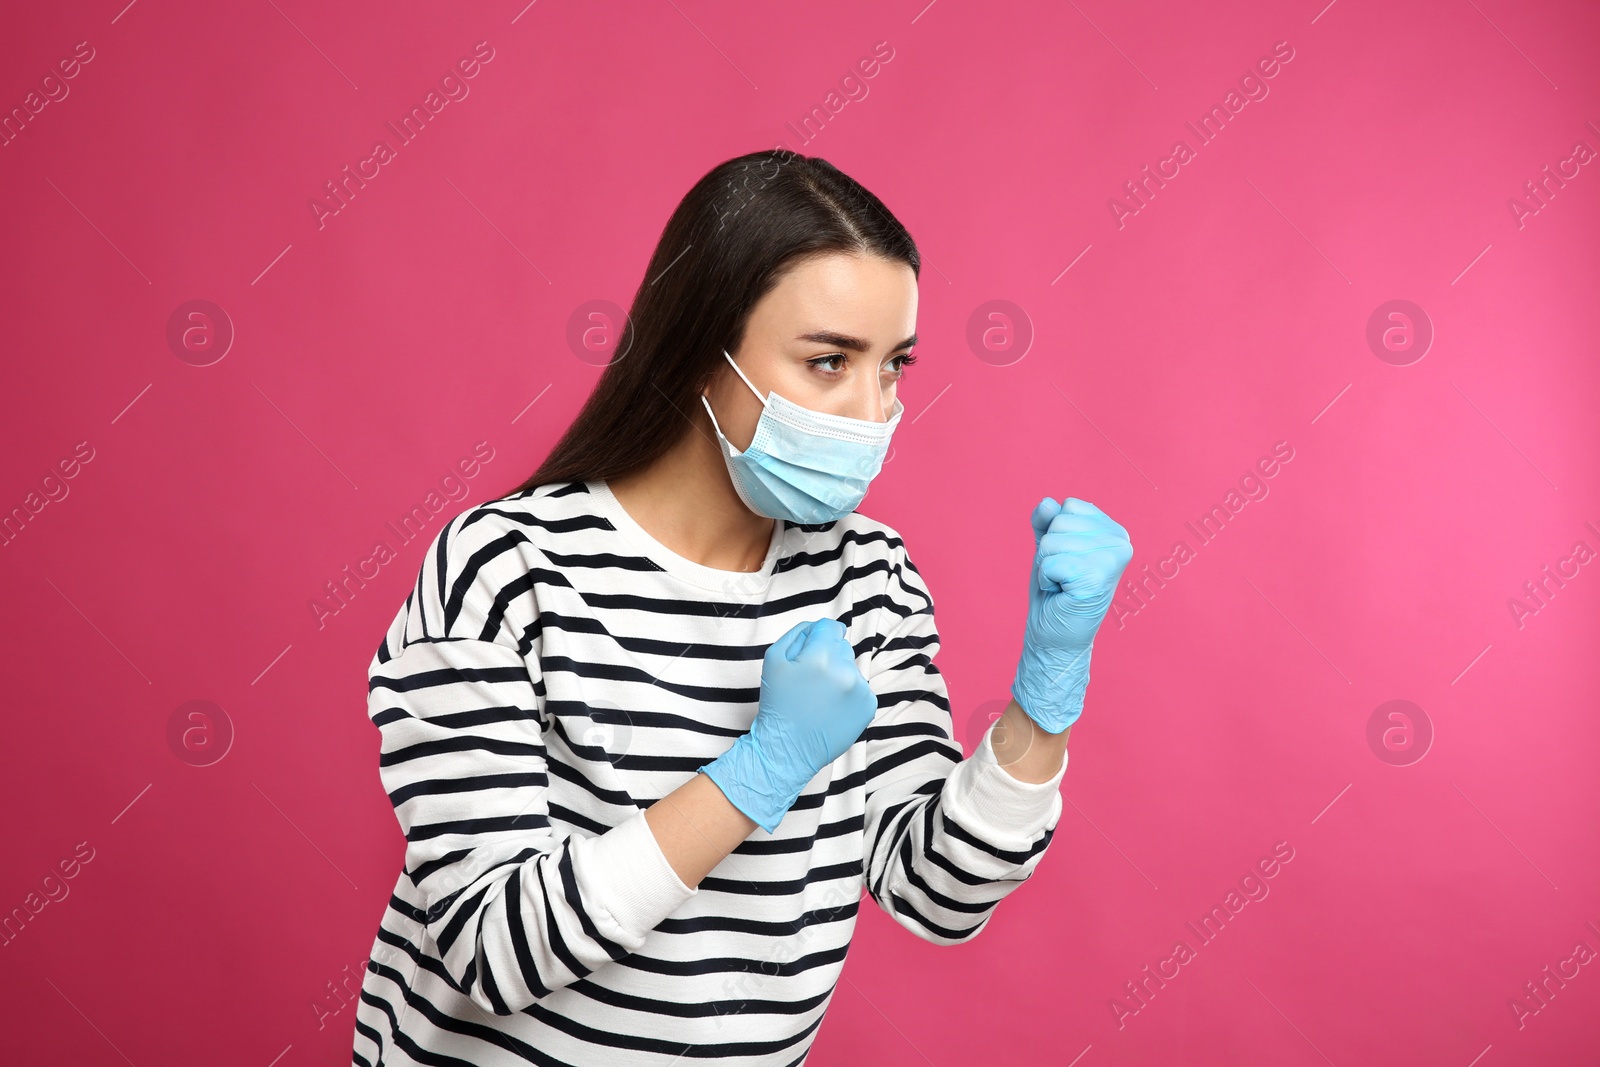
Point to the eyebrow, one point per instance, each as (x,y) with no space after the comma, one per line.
(854,344)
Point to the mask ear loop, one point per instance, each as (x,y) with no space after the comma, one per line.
(757,392)
(747,381)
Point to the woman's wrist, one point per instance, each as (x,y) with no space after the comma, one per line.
(1050,686)
(695,826)
(751,783)
(1027,751)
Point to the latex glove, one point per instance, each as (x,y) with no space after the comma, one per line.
(815,703)
(1079,557)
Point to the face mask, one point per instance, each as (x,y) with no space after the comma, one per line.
(803,465)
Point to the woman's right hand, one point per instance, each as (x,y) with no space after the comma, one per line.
(814,706)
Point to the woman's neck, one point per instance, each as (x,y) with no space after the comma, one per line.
(686,500)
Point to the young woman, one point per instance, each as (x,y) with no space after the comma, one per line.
(654,720)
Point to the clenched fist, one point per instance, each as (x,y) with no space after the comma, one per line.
(814,705)
(1079,557)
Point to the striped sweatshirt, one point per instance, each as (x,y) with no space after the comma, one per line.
(554,672)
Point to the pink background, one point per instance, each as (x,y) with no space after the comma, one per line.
(1229,713)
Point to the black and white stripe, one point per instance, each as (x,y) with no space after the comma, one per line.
(554,672)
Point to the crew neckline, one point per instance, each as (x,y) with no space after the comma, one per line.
(728,583)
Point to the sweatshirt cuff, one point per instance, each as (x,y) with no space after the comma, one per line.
(1008,813)
(627,874)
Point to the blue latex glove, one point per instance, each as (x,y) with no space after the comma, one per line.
(1078,559)
(814,706)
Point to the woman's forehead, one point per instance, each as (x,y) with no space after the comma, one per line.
(851,298)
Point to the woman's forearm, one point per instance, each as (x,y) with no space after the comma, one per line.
(1027,751)
(696,825)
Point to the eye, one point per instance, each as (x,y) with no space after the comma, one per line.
(895,366)
(831,371)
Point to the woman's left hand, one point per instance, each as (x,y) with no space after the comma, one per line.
(1079,557)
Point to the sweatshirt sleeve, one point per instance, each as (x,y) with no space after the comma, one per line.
(947,838)
(512,907)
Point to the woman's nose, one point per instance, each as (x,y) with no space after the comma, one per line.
(874,405)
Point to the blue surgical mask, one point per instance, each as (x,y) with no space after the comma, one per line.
(803,465)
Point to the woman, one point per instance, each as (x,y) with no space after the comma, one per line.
(653,721)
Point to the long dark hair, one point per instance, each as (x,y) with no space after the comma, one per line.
(727,244)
